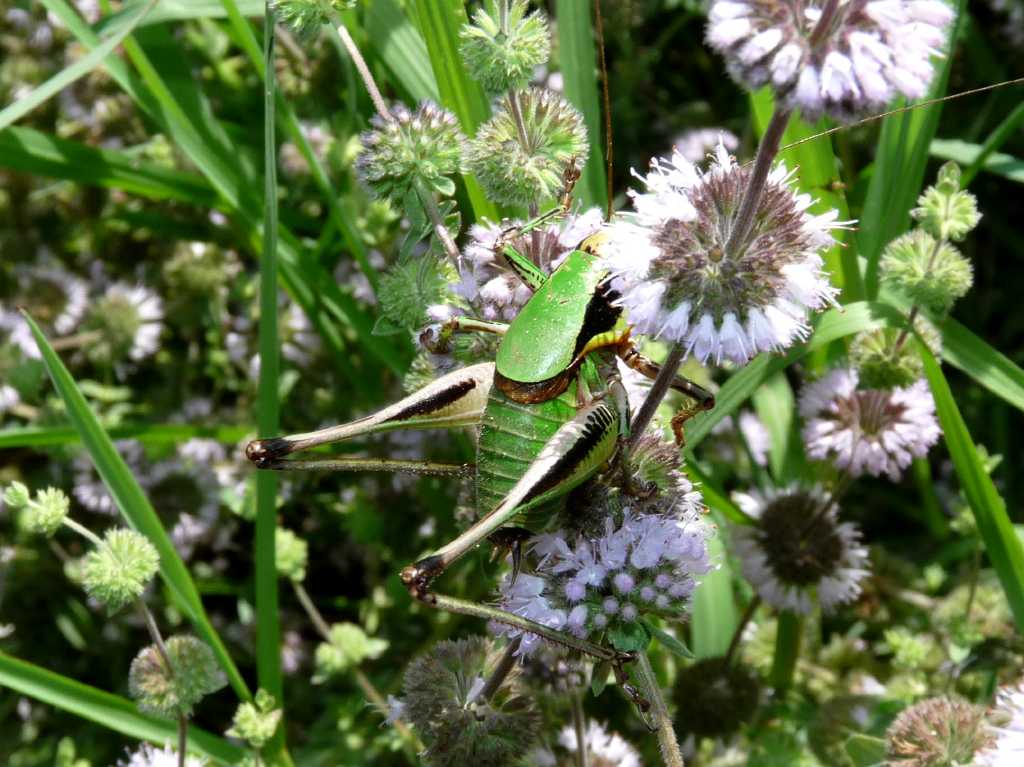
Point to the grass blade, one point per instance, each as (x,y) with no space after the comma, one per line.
(1001,542)
(713,610)
(996,139)
(966,153)
(714,497)
(439,22)
(986,365)
(578,60)
(161,433)
(131,501)
(900,162)
(776,407)
(106,709)
(69,74)
(268,628)
(400,46)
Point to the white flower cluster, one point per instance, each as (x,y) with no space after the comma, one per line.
(676,279)
(150,756)
(609,747)
(867,431)
(492,291)
(866,54)
(647,564)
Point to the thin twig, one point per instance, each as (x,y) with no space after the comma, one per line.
(657,393)
(364,71)
(670,752)
(502,670)
(734,643)
(440,228)
(607,101)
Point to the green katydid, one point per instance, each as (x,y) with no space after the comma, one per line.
(550,410)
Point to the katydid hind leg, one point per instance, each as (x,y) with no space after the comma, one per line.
(454,400)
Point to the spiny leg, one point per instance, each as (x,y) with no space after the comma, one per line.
(395,466)
(704,399)
(438,338)
(453,400)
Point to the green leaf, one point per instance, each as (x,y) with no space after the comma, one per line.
(31,151)
(713,609)
(669,642)
(400,46)
(439,22)
(179,10)
(107,710)
(865,750)
(133,504)
(1001,542)
(967,154)
(986,365)
(577,58)
(776,407)
(69,74)
(599,677)
(629,637)
(900,161)
(162,433)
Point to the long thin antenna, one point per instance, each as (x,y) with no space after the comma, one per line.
(599,30)
(901,110)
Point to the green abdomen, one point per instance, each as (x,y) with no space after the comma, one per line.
(511,436)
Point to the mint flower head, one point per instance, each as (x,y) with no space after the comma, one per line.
(939,731)
(520,155)
(305,17)
(504,44)
(678,281)
(117,571)
(175,691)
(43,514)
(857,61)
(256,722)
(411,150)
(945,210)
(348,646)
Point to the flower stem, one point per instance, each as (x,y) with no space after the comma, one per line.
(734,643)
(364,71)
(501,671)
(161,648)
(915,309)
(670,752)
(84,531)
(657,393)
(579,723)
(766,152)
(182,739)
(440,229)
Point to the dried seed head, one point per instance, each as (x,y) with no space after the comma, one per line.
(937,732)
(412,149)
(715,698)
(798,550)
(172,692)
(442,700)
(867,54)
(118,571)
(517,173)
(502,53)
(677,280)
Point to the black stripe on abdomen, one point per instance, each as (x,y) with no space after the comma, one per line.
(436,402)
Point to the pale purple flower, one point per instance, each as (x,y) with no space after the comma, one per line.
(151,756)
(602,746)
(697,143)
(871,52)
(798,552)
(867,431)
(669,263)
(1008,724)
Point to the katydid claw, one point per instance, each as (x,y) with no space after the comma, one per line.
(263,452)
(418,576)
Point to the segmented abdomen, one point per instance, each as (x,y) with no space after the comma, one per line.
(511,436)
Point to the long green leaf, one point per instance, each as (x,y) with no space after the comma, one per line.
(1001,542)
(986,365)
(31,151)
(715,497)
(899,168)
(268,626)
(776,407)
(69,74)
(966,153)
(108,710)
(439,22)
(400,46)
(713,610)
(578,61)
(180,10)
(158,433)
(131,501)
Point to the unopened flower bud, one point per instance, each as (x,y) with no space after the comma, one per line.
(884,363)
(118,571)
(348,646)
(17,495)
(930,271)
(502,53)
(256,722)
(305,17)
(945,210)
(291,554)
(46,513)
(174,691)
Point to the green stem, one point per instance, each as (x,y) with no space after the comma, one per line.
(579,723)
(670,752)
(440,229)
(657,393)
(734,643)
(501,671)
(83,531)
(787,651)
(364,71)
(182,739)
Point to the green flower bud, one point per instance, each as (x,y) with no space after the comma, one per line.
(409,288)
(199,269)
(256,722)
(305,17)
(47,512)
(174,692)
(414,148)
(17,495)
(555,136)
(348,646)
(945,210)
(502,56)
(882,365)
(911,652)
(118,571)
(931,272)
(291,554)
